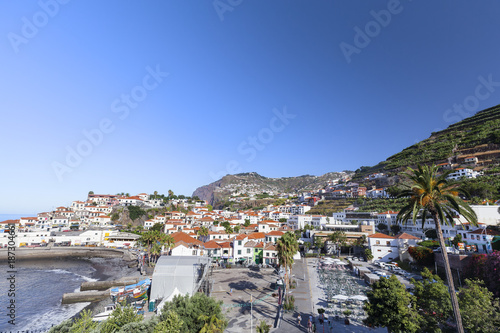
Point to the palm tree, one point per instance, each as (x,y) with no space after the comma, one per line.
(169,242)
(287,246)
(338,238)
(213,325)
(432,193)
(203,231)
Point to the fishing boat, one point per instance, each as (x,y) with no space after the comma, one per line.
(108,309)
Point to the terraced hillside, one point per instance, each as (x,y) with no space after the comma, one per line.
(478,135)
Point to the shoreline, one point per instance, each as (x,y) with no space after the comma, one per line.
(101,275)
(22,254)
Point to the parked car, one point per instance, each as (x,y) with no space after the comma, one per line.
(449,250)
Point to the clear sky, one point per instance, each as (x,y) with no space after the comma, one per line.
(138,96)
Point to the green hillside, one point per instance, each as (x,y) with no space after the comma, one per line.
(478,135)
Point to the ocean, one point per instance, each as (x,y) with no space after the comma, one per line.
(40,285)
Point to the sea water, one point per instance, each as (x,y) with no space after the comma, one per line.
(40,285)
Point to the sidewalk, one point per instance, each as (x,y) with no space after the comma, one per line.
(303,300)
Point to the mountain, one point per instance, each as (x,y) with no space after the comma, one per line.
(253,183)
(478,135)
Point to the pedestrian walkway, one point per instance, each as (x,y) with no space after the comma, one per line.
(303,301)
(306,301)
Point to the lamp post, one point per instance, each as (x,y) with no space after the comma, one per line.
(251,313)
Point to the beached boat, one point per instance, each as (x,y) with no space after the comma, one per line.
(108,309)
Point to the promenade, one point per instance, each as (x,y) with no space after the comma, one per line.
(308,299)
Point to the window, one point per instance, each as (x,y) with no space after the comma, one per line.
(390,250)
(388,243)
(379,250)
(239,251)
(377,242)
(239,242)
(256,250)
(267,254)
(248,250)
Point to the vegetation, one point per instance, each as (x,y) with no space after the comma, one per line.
(431,193)
(287,247)
(429,308)
(191,309)
(422,255)
(368,255)
(391,306)
(134,212)
(480,310)
(121,316)
(485,268)
(263,327)
(433,301)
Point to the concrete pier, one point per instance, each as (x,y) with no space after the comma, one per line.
(103,285)
(84,296)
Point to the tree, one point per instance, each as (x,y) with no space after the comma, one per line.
(191,308)
(121,316)
(368,255)
(91,192)
(135,212)
(172,324)
(282,220)
(432,193)
(457,239)
(157,227)
(247,223)
(263,327)
(203,231)
(431,233)
(395,229)
(433,301)
(480,310)
(156,194)
(228,229)
(390,305)
(382,227)
(338,238)
(237,228)
(212,324)
(84,323)
(422,255)
(170,194)
(210,208)
(287,246)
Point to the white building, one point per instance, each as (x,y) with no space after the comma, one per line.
(463,173)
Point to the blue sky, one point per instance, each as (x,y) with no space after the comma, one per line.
(174,94)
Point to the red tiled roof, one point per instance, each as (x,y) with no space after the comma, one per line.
(380,235)
(404,235)
(256,235)
(275,233)
(212,245)
(183,237)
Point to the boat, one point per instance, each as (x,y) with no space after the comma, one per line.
(108,310)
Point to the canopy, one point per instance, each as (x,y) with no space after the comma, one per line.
(340,297)
(359,298)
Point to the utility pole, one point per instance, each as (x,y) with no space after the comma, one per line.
(251,313)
